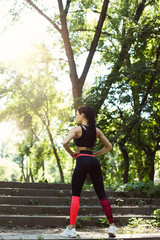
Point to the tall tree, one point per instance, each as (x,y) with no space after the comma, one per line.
(62,25)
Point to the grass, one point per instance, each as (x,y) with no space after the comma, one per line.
(138,229)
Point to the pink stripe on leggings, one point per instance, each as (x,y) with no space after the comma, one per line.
(74,210)
(107,209)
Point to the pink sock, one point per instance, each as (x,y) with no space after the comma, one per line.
(74,210)
(107,209)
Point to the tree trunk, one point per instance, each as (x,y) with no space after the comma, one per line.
(31,175)
(27,171)
(126,161)
(140,168)
(23,174)
(152,168)
(149,163)
(56,155)
(43,170)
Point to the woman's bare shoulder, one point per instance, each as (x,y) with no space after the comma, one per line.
(76,130)
(98,132)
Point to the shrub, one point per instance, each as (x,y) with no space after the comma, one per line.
(148,187)
(157,215)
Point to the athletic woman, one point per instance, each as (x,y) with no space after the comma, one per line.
(84,136)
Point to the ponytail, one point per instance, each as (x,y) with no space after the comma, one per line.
(89,114)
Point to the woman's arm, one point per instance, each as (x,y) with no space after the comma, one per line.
(107,145)
(70,136)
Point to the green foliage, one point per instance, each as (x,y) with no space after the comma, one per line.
(82,20)
(119,201)
(40,238)
(11,223)
(39,110)
(157,215)
(9,171)
(136,222)
(132,120)
(128,92)
(148,187)
(87,186)
(102,222)
(82,220)
(61,193)
(125,95)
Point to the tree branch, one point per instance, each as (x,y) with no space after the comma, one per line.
(67,44)
(67,6)
(44,15)
(139,10)
(94,42)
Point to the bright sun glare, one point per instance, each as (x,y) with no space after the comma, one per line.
(16,40)
(7,131)
(13,44)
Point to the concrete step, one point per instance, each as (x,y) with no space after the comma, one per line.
(65,210)
(34,192)
(64,193)
(48,205)
(62,221)
(58,201)
(81,235)
(57,186)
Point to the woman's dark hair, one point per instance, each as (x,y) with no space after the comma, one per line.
(89,114)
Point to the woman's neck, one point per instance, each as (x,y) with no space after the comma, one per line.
(85,122)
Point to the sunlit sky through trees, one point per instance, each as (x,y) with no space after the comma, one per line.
(16,42)
(17,38)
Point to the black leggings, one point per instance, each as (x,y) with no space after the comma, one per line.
(85,165)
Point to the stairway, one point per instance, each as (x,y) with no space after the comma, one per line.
(47,205)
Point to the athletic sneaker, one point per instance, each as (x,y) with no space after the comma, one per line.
(112,231)
(69,233)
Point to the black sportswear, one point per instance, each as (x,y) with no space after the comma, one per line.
(83,140)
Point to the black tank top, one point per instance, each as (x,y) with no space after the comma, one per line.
(83,140)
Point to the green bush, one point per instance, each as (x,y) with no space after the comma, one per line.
(148,187)
(157,215)
(137,222)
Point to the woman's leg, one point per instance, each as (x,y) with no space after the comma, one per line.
(97,180)
(74,208)
(107,209)
(78,179)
